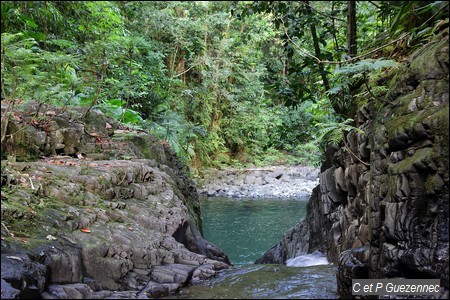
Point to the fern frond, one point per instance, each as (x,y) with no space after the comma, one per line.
(366,65)
(333,132)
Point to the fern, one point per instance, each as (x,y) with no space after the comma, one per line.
(32,73)
(333,132)
(366,66)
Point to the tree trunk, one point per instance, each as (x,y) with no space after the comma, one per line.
(351,29)
(216,112)
(326,84)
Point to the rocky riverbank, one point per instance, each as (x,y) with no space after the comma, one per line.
(267,182)
(111,214)
(382,208)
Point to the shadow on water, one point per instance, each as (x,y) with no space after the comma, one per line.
(266,282)
(244,229)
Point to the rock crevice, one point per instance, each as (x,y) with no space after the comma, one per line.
(384,213)
(111,215)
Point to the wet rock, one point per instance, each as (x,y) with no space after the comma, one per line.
(385,214)
(21,277)
(157,290)
(68,291)
(353,264)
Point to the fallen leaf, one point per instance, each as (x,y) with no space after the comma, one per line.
(51,238)
(15,257)
(93,164)
(85,230)
(80,156)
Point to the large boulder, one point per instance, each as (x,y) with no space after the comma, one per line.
(382,210)
(116,212)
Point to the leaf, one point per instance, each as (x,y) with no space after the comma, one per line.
(15,258)
(116,102)
(37,35)
(94,134)
(30,22)
(86,230)
(51,237)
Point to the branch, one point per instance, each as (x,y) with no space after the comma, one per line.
(99,88)
(435,14)
(344,61)
(353,154)
(185,71)
(374,4)
(35,117)
(362,55)
(370,91)
(323,14)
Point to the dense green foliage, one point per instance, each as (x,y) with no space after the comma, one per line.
(223,82)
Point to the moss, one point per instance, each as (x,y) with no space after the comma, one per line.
(12,208)
(429,184)
(425,58)
(398,124)
(148,149)
(441,128)
(407,164)
(21,145)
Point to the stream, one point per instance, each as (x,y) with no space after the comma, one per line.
(244,229)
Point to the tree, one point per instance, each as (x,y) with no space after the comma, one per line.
(317,47)
(351,29)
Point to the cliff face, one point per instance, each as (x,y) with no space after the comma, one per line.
(382,207)
(112,215)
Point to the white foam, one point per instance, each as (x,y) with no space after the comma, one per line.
(307,260)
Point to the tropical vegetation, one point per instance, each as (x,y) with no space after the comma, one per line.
(224,83)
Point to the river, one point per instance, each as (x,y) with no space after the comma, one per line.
(244,229)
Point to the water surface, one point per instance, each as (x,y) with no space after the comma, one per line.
(244,229)
(266,282)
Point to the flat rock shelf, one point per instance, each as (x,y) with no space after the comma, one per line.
(266,182)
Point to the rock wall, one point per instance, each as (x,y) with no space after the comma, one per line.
(111,215)
(383,204)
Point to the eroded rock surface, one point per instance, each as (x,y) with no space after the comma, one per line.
(115,217)
(382,209)
(269,182)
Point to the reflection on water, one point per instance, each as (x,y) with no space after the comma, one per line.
(244,229)
(266,282)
